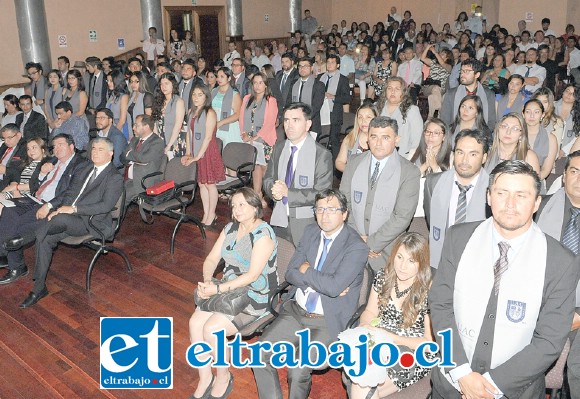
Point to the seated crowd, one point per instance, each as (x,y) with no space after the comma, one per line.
(494,168)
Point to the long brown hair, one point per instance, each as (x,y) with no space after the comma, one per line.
(522,147)
(418,248)
(354,133)
(406,100)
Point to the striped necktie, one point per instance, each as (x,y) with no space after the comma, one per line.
(461,211)
(572,233)
(501,265)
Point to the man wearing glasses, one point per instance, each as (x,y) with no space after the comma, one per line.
(469,74)
(240,81)
(382,189)
(457,195)
(38,81)
(326,274)
(12,154)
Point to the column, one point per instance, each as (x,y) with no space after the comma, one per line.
(295,15)
(33,32)
(151,15)
(234,19)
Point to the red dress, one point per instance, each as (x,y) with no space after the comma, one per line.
(210,168)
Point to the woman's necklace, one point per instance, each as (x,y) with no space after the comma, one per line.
(400,294)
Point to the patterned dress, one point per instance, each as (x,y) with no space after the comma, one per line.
(210,167)
(382,73)
(390,318)
(237,255)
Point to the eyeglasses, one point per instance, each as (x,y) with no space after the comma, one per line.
(10,137)
(331,211)
(513,128)
(432,133)
(32,73)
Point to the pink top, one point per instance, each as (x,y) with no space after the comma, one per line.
(268,130)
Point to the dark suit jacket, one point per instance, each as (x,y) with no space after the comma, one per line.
(186,95)
(341,97)
(70,182)
(101,88)
(318,94)
(342,268)
(242,84)
(283,100)
(119,145)
(98,199)
(147,160)
(15,164)
(394,46)
(35,127)
(522,376)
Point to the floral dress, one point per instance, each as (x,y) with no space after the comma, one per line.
(391,318)
(383,72)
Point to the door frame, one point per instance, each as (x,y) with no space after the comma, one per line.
(196,11)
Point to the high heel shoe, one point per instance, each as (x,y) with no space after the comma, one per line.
(207,390)
(229,389)
(212,224)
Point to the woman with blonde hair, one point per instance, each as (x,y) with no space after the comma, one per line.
(397,307)
(356,140)
(510,142)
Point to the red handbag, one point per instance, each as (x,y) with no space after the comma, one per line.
(160,187)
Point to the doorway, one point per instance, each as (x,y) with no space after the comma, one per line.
(207,24)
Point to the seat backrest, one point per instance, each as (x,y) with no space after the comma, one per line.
(220,144)
(366,286)
(285,252)
(118,213)
(236,154)
(180,174)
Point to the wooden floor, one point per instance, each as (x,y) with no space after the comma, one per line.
(52,349)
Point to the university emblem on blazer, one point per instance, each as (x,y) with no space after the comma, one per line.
(516,311)
(570,133)
(357,196)
(225,114)
(436,233)
(197,135)
(303,181)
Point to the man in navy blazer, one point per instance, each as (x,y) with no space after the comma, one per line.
(35,125)
(98,195)
(50,184)
(326,273)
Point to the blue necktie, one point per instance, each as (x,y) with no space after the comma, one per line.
(289,172)
(313,296)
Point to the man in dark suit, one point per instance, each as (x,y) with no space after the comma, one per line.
(31,123)
(104,124)
(469,74)
(189,79)
(97,89)
(50,186)
(457,195)
(398,45)
(308,90)
(12,154)
(558,217)
(382,189)
(239,79)
(298,169)
(326,274)
(506,290)
(143,156)
(285,79)
(38,82)
(337,94)
(98,195)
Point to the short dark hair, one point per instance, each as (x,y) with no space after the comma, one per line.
(36,65)
(546,20)
(479,135)
(25,97)
(469,51)
(475,64)
(305,108)
(333,57)
(106,111)
(384,122)
(252,70)
(331,192)
(69,139)
(525,32)
(515,167)
(147,120)
(154,29)
(289,55)
(306,59)
(135,59)
(570,157)
(191,62)
(64,58)
(94,62)
(64,105)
